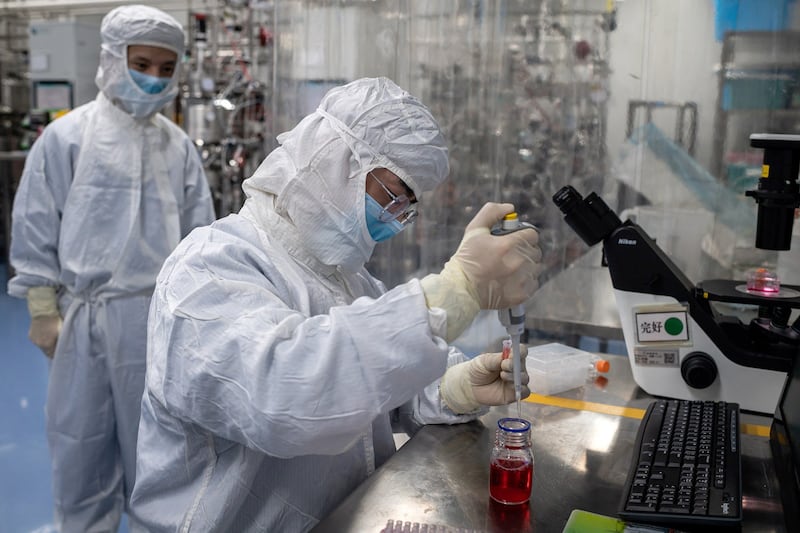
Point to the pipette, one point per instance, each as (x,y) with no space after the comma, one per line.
(513,318)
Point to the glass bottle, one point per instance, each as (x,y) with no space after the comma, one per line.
(511,463)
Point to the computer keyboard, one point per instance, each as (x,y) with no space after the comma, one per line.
(686,467)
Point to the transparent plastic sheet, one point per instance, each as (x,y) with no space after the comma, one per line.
(518,86)
(730,207)
(687,210)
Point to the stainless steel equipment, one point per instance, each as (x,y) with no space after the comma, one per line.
(15,89)
(223,104)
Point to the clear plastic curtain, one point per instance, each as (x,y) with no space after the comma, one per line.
(518,86)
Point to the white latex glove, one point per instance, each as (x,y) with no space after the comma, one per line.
(45,318)
(487,379)
(486,272)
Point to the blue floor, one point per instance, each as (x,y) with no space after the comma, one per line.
(26,503)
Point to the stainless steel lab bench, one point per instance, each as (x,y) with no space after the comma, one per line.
(583,442)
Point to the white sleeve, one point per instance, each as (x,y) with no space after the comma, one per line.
(197,209)
(428,408)
(229,351)
(36,214)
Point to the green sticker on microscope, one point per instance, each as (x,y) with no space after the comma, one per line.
(673,326)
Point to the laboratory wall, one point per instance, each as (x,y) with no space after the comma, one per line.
(664,52)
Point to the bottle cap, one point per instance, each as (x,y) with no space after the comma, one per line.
(602,365)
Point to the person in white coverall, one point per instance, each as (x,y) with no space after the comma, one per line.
(277,363)
(107,193)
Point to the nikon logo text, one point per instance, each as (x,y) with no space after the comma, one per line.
(629,242)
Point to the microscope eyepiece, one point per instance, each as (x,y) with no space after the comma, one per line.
(590,217)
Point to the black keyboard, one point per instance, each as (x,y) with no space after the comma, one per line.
(686,466)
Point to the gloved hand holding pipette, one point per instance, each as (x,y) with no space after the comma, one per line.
(486,272)
(488,379)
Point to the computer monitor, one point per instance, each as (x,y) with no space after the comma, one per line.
(52,95)
(785,443)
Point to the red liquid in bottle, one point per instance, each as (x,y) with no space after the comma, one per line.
(510,481)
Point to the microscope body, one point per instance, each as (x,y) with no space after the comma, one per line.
(678,343)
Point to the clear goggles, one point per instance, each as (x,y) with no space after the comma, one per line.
(400,208)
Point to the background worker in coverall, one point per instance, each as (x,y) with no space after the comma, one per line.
(107,193)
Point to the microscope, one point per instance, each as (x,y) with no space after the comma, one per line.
(680,344)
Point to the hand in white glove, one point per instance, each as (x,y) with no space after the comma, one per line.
(486,272)
(45,318)
(487,379)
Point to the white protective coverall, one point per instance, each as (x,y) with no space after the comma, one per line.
(103,200)
(276,363)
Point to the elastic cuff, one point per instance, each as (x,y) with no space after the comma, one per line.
(453,268)
(454,297)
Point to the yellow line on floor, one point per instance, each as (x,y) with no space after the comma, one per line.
(629,412)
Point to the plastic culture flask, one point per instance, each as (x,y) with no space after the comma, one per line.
(554,368)
(511,463)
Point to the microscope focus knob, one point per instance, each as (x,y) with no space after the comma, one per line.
(699,370)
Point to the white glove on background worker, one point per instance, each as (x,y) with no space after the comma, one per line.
(486,272)
(488,379)
(45,318)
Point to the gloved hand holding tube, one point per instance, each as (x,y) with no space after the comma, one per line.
(486,272)
(45,318)
(485,380)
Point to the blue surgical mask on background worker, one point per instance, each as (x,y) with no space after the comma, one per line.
(147,83)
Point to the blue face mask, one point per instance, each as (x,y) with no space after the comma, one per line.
(380,231)
(147,83)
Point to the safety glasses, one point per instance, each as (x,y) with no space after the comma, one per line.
(399,208)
